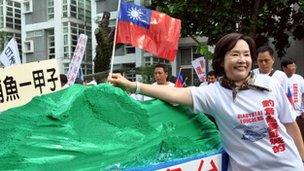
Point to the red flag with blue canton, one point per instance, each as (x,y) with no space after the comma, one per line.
(289,96)
(150,30)
(179,80)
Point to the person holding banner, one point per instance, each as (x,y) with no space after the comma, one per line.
(253,114)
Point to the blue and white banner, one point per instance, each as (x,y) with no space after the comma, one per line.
(10,54)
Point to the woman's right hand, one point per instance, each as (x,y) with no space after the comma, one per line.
(118,80)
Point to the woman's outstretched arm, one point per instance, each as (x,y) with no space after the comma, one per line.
(166,93)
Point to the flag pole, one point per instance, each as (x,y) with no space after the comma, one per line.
(115,35)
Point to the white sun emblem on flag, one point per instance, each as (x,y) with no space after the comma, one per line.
(134,13)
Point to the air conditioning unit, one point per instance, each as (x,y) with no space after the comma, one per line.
(27,6)
(28,46)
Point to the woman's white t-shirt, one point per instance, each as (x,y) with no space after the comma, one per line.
(251,127)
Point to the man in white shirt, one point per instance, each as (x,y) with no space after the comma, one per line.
(161,78)
(296,86)
(265,60)
(211,78)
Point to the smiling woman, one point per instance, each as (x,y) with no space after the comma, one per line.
(273,136)
(237,62)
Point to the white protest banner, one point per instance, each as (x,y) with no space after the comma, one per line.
(210,163)
(19,84)
(77,59)
(199,66)
(80,75)
(10,54)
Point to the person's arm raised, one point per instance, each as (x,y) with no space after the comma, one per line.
(166,93)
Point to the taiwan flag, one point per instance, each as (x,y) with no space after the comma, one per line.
(289,96)
(179,80)
(150,30)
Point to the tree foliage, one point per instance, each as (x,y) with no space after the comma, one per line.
(147,73)
(104,37)
(2,40)
(260,19)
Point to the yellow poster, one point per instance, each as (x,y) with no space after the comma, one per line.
(20,83)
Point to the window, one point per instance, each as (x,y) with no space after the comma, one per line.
(17,11)
(17,4)
(17,21)
(10,3)
(186,56)
(51,44)
(31,34)
(28,6)
(28,46)
(130,49)
(8,19)
(65,39)
(50,9)
(73,2)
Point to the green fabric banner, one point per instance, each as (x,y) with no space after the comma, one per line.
(102,128)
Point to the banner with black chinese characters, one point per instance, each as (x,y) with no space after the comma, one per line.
(19,84)
(10,54)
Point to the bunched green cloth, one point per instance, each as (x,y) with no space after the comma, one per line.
(100,128)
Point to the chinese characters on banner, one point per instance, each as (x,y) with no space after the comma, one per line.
(77,59)
(19,84)
(199,66)
(211,163)
(10,54)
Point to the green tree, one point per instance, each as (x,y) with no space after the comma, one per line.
(104,37)
(2,40)
(147,73)
(262,20)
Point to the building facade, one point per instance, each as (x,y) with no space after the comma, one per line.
(10,21)
(50,30)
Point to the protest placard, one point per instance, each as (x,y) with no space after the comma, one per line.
(19,84)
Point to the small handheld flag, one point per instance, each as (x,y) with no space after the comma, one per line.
(179,80)
(289,96)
